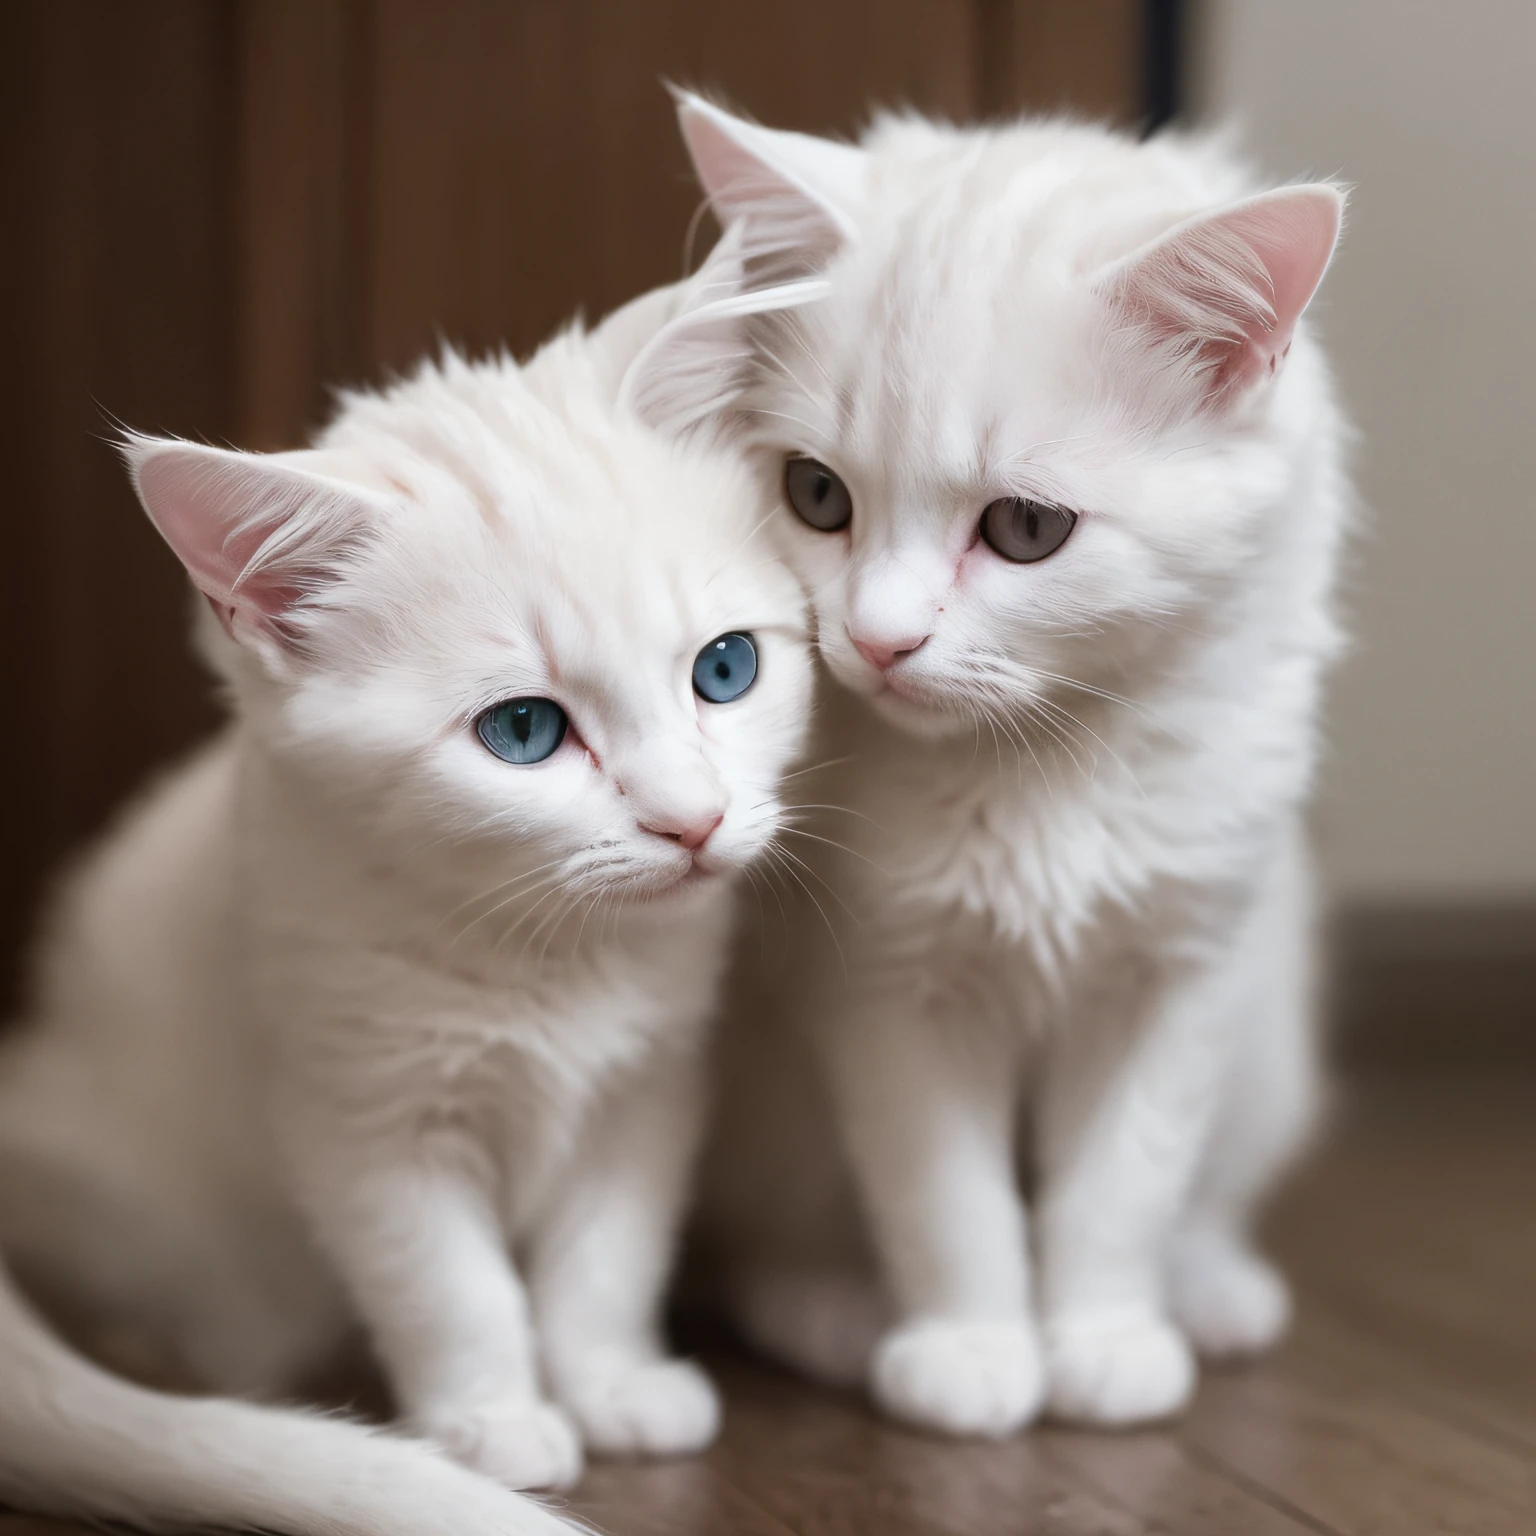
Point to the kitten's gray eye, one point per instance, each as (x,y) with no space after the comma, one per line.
(522,730)
(1024,531)
(817,495)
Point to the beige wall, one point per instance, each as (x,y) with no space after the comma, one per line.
(1429,108)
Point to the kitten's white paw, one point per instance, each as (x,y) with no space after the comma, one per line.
(1228,1300)
(1117,1368)
(521,1443)
(964,1378)
(658,1408)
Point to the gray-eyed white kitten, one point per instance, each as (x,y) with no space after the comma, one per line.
(1061,471)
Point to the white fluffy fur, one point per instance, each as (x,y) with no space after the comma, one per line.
(351,1018)
(1072,915)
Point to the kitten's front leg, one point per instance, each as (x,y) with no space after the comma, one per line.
(599,1267)
(419,1246)
(926,1105)
(1126,1108)
(1225,1295)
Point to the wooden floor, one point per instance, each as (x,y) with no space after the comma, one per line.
(1405,1404)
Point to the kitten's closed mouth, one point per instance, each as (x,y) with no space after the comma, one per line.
(918,710)
(906,693)
(899,683)
(690,880)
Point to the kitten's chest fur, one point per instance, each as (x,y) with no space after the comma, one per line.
(523,1070)
(1033,875)
(508,1056)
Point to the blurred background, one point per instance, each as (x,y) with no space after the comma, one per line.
(217,208)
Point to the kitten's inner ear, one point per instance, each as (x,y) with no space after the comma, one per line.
(798,194)
(257,533)
(1221,295)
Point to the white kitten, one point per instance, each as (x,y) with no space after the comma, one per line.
(406,974)
(1070,500)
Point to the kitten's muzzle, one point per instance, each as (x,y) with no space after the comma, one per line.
(884,653)
(687,832)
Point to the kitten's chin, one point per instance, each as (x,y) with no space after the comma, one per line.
(700,877)
(902,701)
(917,716)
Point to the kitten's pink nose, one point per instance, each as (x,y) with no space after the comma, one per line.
(691,834)
(884,654)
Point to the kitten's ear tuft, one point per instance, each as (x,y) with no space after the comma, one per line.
(797,195)
(259,534)
(1221,294)
(696,363)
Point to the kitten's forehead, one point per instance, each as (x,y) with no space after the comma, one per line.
(549,536)
(621,535)
(956,345)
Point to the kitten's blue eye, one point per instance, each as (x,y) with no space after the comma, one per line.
(522,730)
(725,669)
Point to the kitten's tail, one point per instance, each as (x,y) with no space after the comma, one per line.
(76,1441)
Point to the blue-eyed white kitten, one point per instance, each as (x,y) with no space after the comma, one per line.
(388,1004)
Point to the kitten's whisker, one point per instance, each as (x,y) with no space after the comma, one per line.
(561,912)
(1083,725)
(757,894)
(799,421)
(831,762)
(1097,692)
(811,895)
(495,890)
(595,900)
(819,878)
(1001,715)
(1033,717)
(762,876)
(816,837)
(555,888)
(985,714)
(542,885)
(770,850)
(842,810)
(1050,442)
(794,324)
(808,353)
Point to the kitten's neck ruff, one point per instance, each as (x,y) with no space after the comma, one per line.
(1035,826)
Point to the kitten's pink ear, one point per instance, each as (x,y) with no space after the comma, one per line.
(797,194)
(695,364)
(1222,294)
(257,533)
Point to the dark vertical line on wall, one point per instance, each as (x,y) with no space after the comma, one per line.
(992,42)
(1163,23)
(227,42)
(25,388)
(1083,57)
(358,276)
